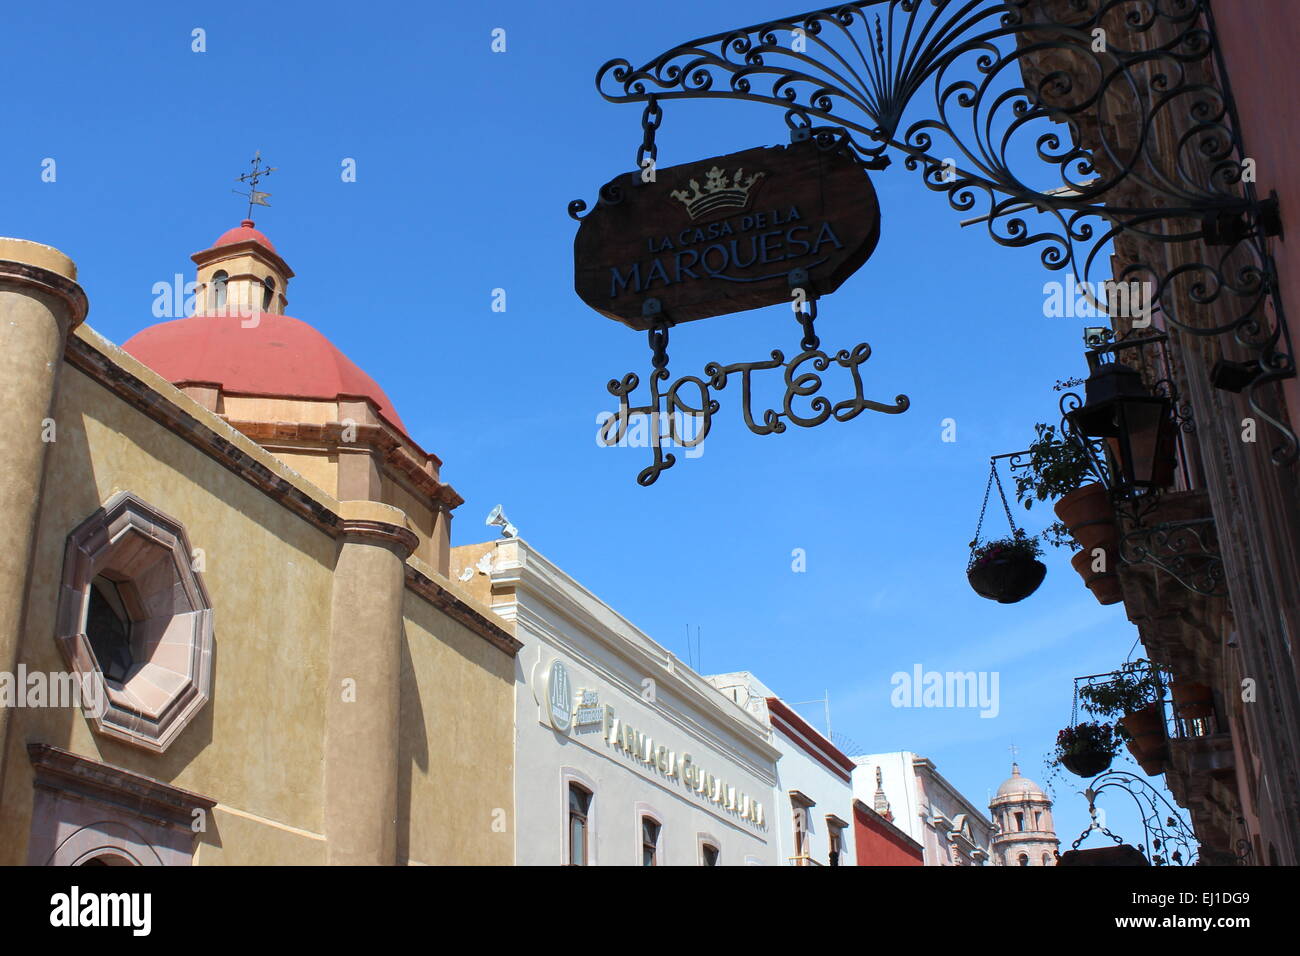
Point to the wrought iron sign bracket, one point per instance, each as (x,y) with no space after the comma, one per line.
(1166,837)
(1001,79)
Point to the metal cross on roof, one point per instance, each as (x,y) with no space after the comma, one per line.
(254,197)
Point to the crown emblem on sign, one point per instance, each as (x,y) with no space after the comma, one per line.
(719,192)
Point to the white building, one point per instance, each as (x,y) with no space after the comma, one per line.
(624,756)
(920,802)
(813,802)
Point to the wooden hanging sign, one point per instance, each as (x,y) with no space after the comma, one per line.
(724,234)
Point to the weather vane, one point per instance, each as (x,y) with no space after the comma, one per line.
(254,197)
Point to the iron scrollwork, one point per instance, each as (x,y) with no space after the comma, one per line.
(1152,158)
(1185,550)
(1166,838)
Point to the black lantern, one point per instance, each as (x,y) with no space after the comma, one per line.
(1138,426)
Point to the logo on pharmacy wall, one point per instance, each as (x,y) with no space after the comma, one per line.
(559,695)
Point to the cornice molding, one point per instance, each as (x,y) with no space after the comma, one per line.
(533,575)
(455,607)
(383,438)
(65,772)
(50,282)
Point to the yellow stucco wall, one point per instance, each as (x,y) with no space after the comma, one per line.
(457,744)
(257,746)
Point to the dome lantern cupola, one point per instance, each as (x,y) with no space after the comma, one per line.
(284,385)
(240,274)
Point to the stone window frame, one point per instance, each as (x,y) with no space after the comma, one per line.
(703,839)
(642,812)
(147,553)
(84,811)
(570,776)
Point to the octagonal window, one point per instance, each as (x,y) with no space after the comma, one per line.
(135,620)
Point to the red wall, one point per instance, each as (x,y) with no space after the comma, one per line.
(879,843)
(1260,40)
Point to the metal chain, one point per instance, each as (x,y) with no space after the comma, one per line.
(651,118)
(984,507)
(810,340)
(993,477)
(659,345)
(1005,507)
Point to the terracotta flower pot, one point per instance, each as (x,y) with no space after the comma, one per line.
(1090,516)
(1151,764)
(1103,585)
(1191,700)
(1007,579)
(1148,745)
(1087,763)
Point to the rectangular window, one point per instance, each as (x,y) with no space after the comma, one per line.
(836,835)
(579,809)
(649,842)
(710,854)
(801,804)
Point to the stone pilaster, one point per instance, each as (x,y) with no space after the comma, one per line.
(363,691)
(40,304)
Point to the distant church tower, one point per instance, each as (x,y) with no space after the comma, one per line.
(1022,816)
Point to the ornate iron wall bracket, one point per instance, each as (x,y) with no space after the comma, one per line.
(1187,551)
(1166,837)
(1152,151)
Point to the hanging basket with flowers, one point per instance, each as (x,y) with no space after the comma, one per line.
(1134,695)
(1005,570)
(1087,749)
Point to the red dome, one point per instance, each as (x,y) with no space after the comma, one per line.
(280,356)
(242,233)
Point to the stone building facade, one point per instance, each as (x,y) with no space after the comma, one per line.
(1228,618)
(1024,832)
(813,797)
(624,755)
(911,793)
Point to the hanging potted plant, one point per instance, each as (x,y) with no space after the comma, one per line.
(1132,694)
(1059,468)
(1005,570)
(1087,749)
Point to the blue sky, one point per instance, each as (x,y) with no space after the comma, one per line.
(465,162)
